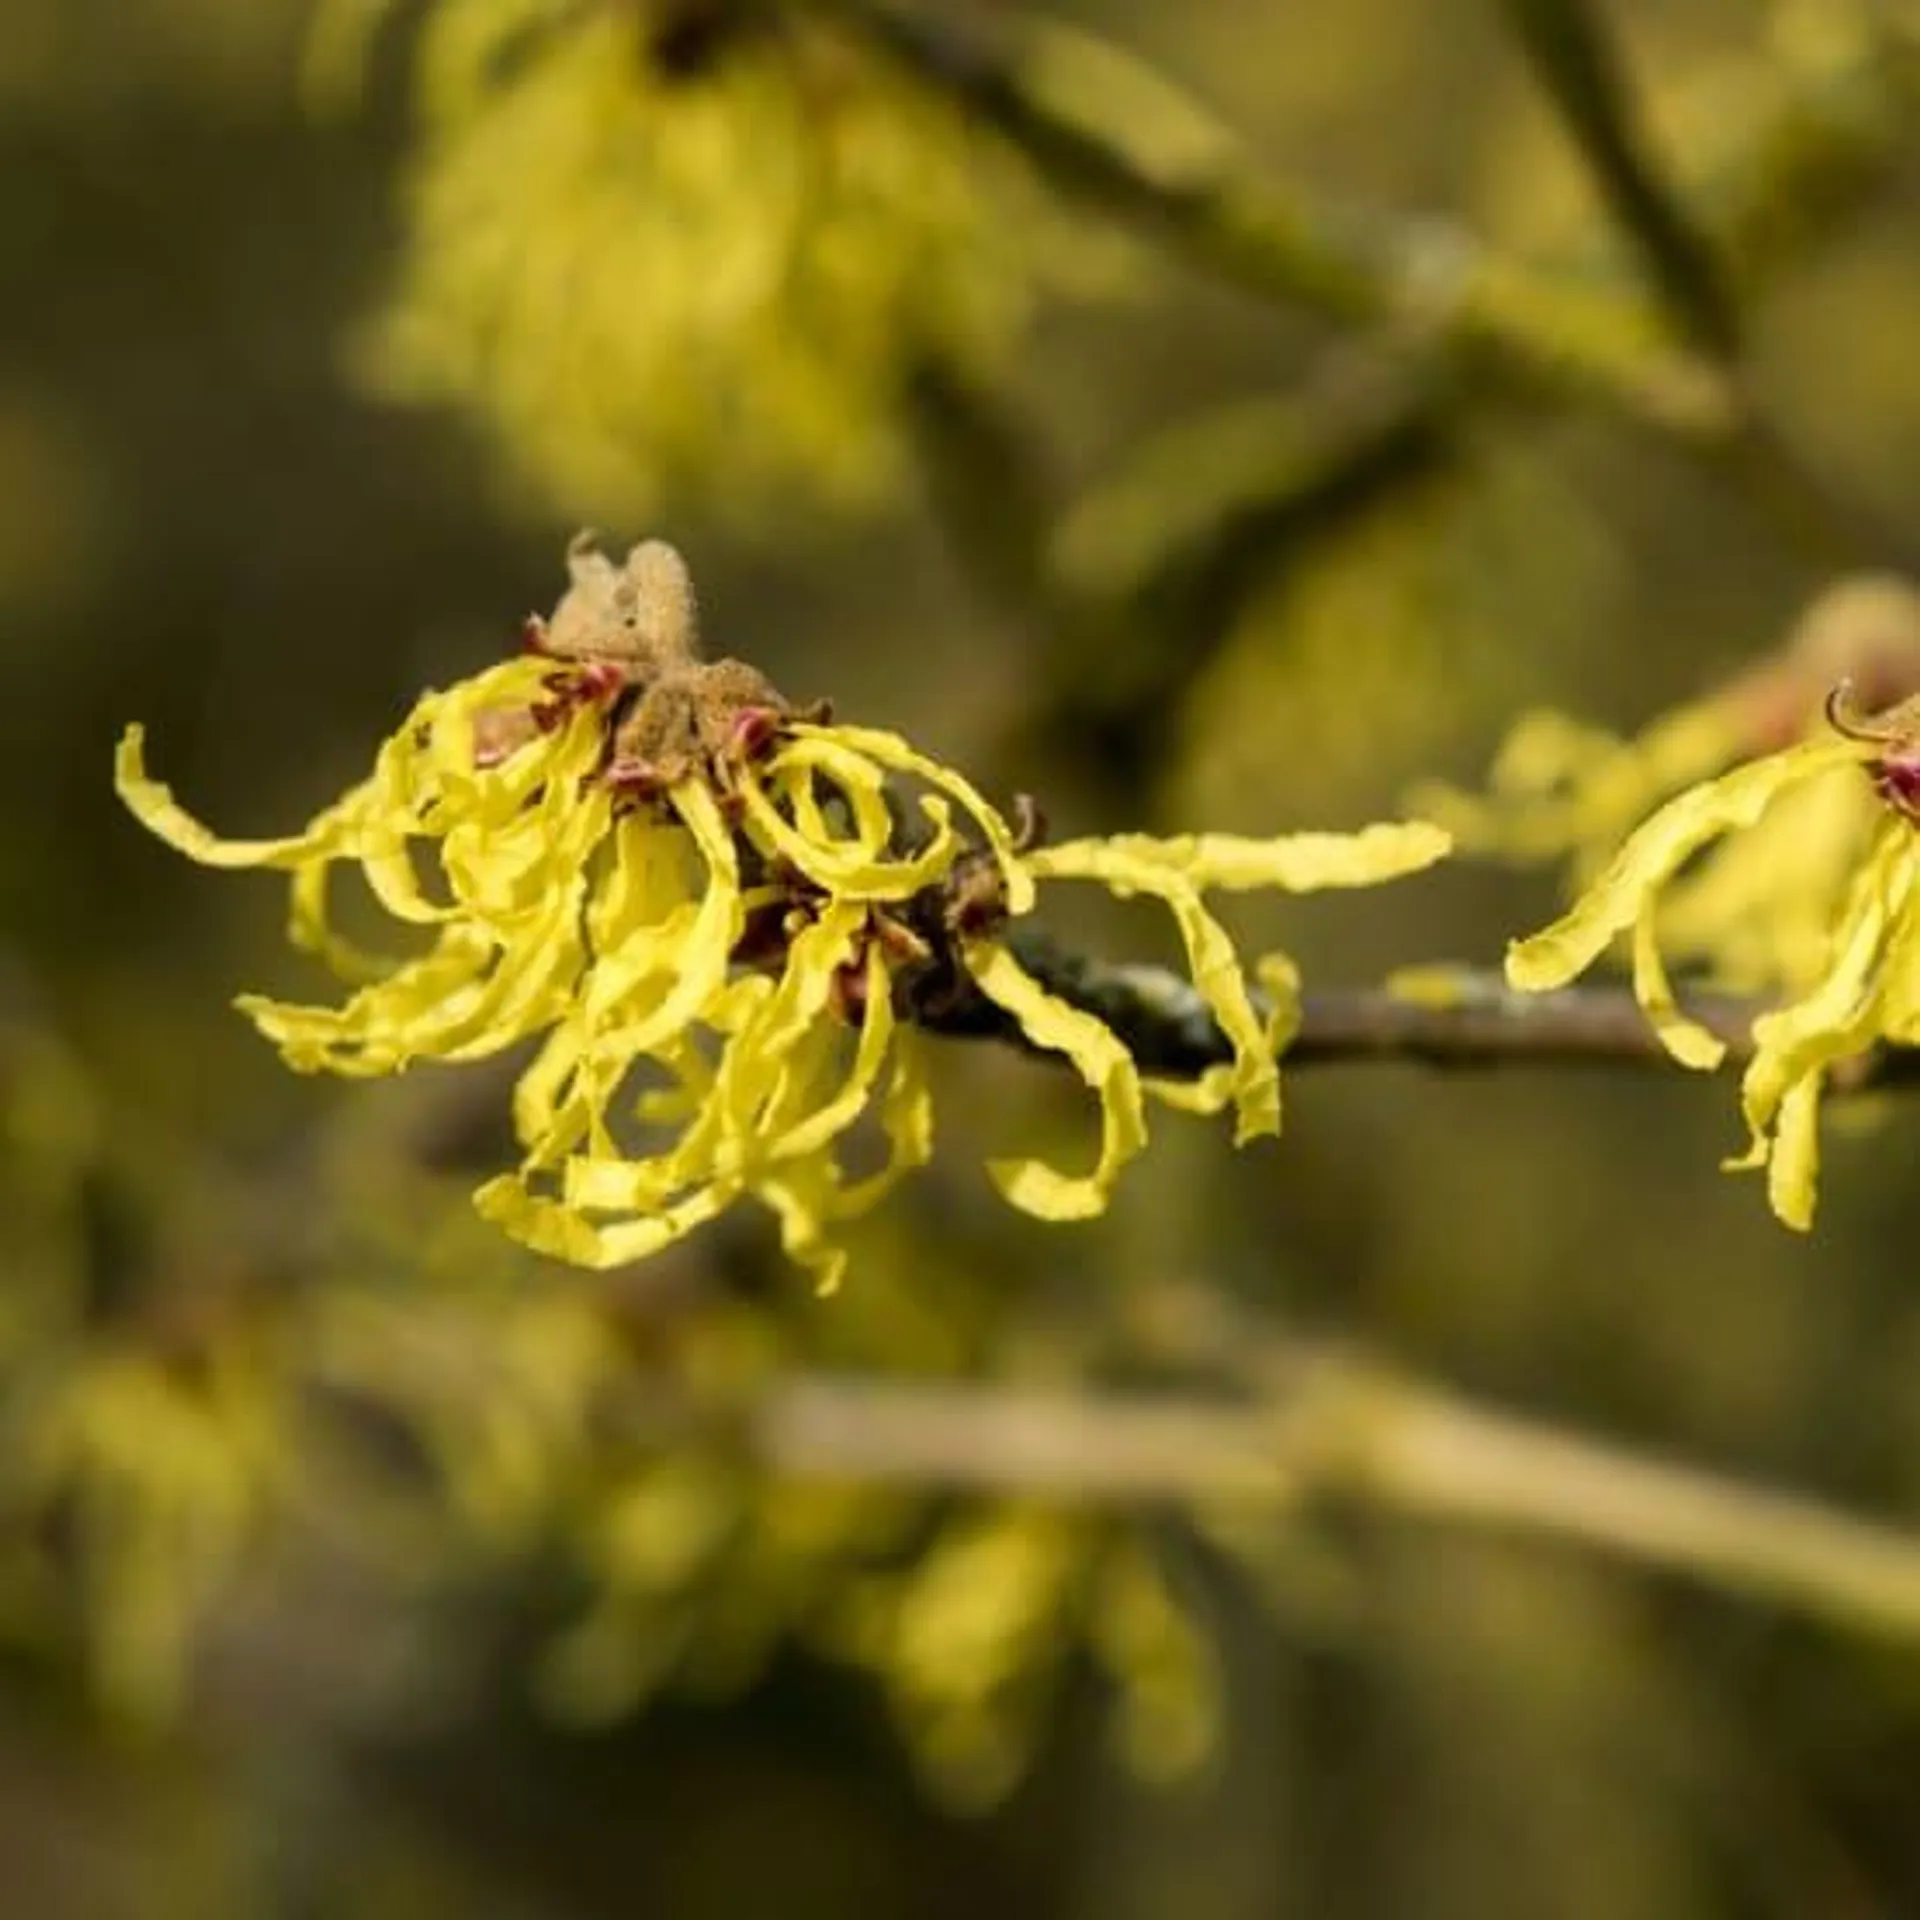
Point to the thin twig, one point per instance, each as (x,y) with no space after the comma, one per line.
(1583,72)
(1427,276)
(1343,1430)
(1830,130)
(1460,1018)
(1843,109)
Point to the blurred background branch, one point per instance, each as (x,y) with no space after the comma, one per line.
(1373,421)
(1060,97)
(1583,72)
(1327,1425)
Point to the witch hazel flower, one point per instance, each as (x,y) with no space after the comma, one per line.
(1751,913)
(1865,993)
(724,919)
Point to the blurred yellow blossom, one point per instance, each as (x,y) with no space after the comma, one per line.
(675,249)
(725,917)
(152,1476)
(1752,915)
(1868,986)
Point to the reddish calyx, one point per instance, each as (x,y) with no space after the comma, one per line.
(592,683)
(1895,768)
(1896,779)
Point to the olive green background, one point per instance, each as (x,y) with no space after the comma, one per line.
(205,526)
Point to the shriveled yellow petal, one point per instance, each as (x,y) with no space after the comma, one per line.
(793,1169)
(640,912)
(727,1136)
(1622,892)
(541,1089)
(372,1033)
(494,975)
(503,865)
(310,928)
(813,1197)
(906,1119)
(803,1200)
(1755,916)
(1208,1093)
(1841,1014)
(770,1113)
(751,1067)
(1235,863)
(1102,1062)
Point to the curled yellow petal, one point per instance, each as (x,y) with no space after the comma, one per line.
(562,1233)
(1253,1080)
(1686,1040)
(697,962)
(310,928)
(889,750)
(1625,890)
(858,784)
(1101,1061)
(1213,1091)
(846,867)
(376,1031)
(731,1135)
(1874,948)
(822,1121)
(151,802)
(1793,1156)
(906,1121)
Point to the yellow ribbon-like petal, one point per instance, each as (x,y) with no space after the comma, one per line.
(151,802)
(1626,890)
(1795,1047)
(1101,1061)
(1214,1089)
(1235,863)
(1132,864)
(889,750)
(562,1233)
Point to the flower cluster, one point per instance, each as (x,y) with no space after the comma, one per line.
(721,916)
(1751,915)
(1867,987)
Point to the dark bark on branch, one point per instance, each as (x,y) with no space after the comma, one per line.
(1467,1019)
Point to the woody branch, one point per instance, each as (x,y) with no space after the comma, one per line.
(1458,1018)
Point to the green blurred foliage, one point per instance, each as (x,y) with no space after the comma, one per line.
(350,1563)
